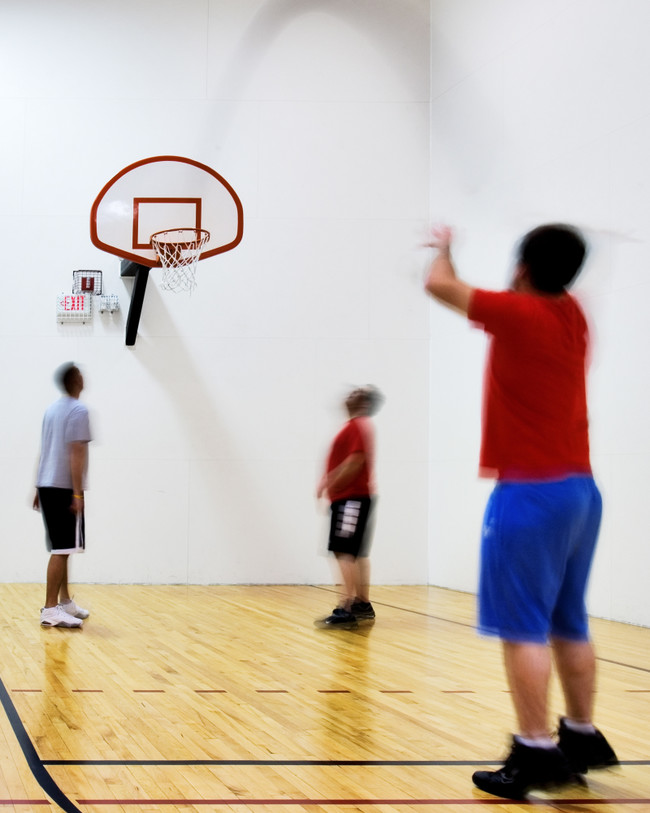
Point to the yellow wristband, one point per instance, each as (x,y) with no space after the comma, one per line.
(78,496)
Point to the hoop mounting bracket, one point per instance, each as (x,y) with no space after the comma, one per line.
(141,276)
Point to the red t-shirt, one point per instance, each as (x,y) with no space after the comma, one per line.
(356,436)
(534,400)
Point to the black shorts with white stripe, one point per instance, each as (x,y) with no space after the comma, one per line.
(64,529)
(351,526)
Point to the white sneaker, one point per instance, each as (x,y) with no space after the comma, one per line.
(57,617)
(74,609)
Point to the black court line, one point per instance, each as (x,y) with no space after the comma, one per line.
(280,763)
(625,665)
(406,610)
(553,803)
(35,764)
(37,767)
(473,627)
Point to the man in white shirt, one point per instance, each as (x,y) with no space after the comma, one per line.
(60,493)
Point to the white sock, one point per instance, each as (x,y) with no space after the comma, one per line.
(580,728)
(537,742)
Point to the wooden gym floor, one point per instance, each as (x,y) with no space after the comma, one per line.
(229,699)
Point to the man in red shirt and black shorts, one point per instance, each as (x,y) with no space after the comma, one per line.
(349,484)
(542,520)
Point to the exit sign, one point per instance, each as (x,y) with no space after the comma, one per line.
(74,307)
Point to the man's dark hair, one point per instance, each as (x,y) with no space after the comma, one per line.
(64,376)
(552,255)
(373,399)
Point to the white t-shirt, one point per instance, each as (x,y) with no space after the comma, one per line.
(65,422)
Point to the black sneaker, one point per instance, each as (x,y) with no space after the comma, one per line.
(362,609)
(526,768)
(340,618)
(585,751)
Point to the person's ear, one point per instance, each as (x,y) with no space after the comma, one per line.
(519,277)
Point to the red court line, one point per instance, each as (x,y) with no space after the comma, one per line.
(88,691)
(148,691)
(210,691)
(334,691)
(272,691)
(359,802)
(395,691)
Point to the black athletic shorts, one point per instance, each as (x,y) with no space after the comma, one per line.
(64,530)
(351,526)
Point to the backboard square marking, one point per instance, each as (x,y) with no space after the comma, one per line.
(156,214)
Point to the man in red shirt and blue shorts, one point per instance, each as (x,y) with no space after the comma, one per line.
(349,484)
(542,520)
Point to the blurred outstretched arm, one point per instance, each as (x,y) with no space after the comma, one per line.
(442,282)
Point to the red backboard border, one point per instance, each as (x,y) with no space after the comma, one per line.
(156,263)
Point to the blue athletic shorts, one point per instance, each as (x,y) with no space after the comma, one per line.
(537,546)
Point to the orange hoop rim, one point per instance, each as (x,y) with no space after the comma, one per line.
(202,236)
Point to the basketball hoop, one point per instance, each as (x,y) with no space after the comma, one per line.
(179,251)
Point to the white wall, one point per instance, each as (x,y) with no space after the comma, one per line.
(210,431)
(541,112)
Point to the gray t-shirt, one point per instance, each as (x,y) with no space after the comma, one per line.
(65,422)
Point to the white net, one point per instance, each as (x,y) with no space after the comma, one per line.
(179,251)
